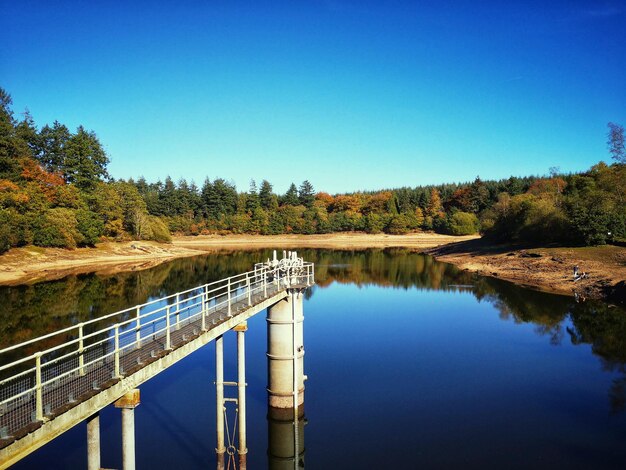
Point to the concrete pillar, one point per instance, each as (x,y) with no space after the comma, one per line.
(285,439)
(220,449)
(241,392)
(285,340)
(93,442)
(128,403)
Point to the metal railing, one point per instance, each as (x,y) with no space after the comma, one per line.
(100,351)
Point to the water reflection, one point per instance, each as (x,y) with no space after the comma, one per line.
(34,310)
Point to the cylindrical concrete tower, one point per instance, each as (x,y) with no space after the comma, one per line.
(285,349)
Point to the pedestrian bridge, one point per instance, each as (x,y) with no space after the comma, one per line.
(52,383)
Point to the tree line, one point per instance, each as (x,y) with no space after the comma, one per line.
(55,190)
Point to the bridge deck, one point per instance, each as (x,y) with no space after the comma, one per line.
(102,359)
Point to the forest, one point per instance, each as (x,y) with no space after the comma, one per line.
(55,191)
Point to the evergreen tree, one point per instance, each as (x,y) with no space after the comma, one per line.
(306,194)
(252,200)
(291,196)
(265,195)
(85,160)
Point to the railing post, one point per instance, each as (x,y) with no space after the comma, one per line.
(265,282)
(177,311)
(81,359)
(168,339)
(138,328)
(248,285)
(117,351)
(205,305)
(38,391)
(228,293)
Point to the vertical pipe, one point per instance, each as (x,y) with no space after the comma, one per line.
(127,403)
(81,359)
(241,387)
(295,379)
(116,353)
(219,392)
(38,394)
(128,438)
(93,442)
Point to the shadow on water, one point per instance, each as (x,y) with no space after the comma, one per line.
(33,310)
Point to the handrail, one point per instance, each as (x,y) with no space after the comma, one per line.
(37,375)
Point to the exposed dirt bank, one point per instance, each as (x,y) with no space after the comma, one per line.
(548,269)
(33,264)
(339,241)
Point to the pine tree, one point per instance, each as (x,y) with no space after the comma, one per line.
(291,196)
(306,194)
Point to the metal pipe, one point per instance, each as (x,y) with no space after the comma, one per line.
(128,438)
(241,388)
(93,442)
(219,392)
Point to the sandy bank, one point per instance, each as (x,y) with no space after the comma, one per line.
(547,269)
(33,264)
(339,241)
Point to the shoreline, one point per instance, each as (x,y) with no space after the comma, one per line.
(547,269)
(30,264)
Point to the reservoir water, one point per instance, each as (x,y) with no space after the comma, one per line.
(411,363)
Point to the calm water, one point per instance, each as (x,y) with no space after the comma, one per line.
(411,363)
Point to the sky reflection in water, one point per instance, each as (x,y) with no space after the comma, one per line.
(411,362)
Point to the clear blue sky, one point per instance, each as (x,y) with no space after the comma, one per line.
(348,94)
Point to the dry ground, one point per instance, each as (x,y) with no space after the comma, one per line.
(549,269)
(33,264)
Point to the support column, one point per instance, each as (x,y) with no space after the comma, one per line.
(220,449)
(93,442)
(285,352)
(241,392)
(128,403)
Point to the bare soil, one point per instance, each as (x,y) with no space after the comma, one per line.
(545,268)
(548,269)
(338,241)
(31,264)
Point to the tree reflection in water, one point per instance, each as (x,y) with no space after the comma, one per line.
(34,310)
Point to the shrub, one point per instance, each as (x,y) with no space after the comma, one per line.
(399,225)
(463,223)
(90,226)
(159,230)
(57,228)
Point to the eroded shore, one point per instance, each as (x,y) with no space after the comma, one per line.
(547,269)
(33,264)
(601,270)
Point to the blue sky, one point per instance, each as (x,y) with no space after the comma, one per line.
(348,94)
